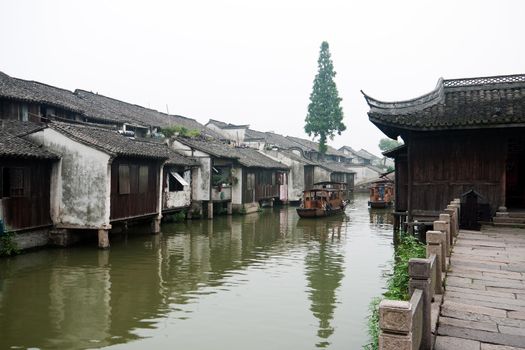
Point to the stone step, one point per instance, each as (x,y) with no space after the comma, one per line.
(508,224)
(509,220)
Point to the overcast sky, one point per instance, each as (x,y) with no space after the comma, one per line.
(248,62)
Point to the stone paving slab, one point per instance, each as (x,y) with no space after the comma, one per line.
(484,301)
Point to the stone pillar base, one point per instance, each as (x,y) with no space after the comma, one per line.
(229,208)
(210,210)
(103,239)
(155,226)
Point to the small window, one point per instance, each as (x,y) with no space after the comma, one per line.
(123,179)
(176,181)
(143,178)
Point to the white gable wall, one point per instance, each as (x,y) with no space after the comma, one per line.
(81,182)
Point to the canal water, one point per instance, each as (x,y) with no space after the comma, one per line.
(262,281)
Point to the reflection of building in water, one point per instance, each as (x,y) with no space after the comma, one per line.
(79,306)
(324,271)
(381,216)
(81,299)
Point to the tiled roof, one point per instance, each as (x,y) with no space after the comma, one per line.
(349,149)
(132,113)
(224,125)
(254,135)
(335,167)
(247,157)
(110,141)
(95,106)
(366,155)
(177,159)
(314,146)
(19,128)
(297,157)
(456,104)
(32,91)
(281,141)
(252,158)
(14,146)
(213,147)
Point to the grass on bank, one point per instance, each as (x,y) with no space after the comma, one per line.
(397,284)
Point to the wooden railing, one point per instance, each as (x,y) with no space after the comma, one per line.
(407,325)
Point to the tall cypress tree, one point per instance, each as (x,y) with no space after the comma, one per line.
(325,115)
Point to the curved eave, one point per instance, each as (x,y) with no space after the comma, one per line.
(406,106)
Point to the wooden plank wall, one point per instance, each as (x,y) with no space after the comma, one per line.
(446,165)
(134,203)
(32,209)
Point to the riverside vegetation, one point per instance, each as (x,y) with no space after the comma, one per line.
(397,284)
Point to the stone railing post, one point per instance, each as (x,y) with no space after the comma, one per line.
(451,211)
(420,272)
(400,323)
(436,245)
(443,226)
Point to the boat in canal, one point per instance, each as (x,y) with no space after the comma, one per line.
(381,194)
(324,199)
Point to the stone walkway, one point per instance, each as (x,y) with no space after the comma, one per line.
(484,302)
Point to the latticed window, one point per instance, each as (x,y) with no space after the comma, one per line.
(13,182)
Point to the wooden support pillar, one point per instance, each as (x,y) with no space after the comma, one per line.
(210,210)
(420,272)
(103,239)
(229,208)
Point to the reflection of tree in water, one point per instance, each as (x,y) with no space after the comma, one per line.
(324,271)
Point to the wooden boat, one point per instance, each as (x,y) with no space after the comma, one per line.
(381,194)
(325,199)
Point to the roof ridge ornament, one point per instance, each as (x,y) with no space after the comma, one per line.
(480,81)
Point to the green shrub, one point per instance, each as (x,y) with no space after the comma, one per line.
(397,284)
(179,130)
(8,245)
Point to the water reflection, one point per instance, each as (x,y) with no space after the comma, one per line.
(83,298)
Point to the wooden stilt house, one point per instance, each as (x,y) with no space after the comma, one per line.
(466,134)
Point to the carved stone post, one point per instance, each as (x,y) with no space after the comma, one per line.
(395,322)
(444,227)
(436,245)
(453,217)
(420,272)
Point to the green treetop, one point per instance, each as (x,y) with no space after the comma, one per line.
(325,115)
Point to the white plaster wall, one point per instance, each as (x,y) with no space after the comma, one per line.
(237,188)
(201,176)
(363,174)
(80,194)
(321,174)
(177,199)
(201,180)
